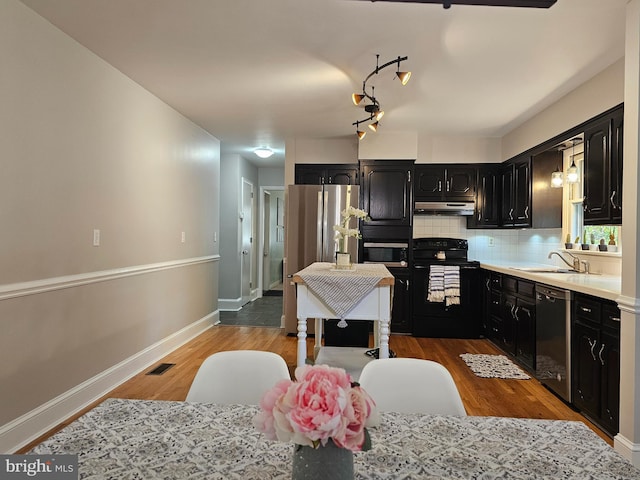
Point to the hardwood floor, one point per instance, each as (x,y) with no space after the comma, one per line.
(481,396)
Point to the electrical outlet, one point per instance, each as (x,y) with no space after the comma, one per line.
(491,242)
(215,237)
(183,237)
(96,237)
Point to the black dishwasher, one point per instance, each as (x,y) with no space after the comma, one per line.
(553,339)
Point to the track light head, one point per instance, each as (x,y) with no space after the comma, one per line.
(360,134)
(404,77)
(374,126)
(357,98)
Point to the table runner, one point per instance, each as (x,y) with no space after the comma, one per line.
(342,290)
(146,439)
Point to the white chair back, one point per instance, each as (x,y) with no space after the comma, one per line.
(411,385)
(237,376)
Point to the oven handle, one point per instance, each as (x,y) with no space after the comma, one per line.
(462,267)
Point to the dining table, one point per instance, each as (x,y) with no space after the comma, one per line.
(152,439)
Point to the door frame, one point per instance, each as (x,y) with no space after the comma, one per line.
(263,190)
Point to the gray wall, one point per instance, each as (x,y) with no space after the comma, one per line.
(83,147)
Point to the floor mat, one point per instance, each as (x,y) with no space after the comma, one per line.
(493,366)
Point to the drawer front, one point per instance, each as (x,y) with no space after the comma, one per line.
(587,309)
(510,284)
(611,316)
(526,289)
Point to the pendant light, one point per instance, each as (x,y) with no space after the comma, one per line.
(572,172)
(557,180)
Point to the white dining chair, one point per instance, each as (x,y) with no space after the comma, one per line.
(411,385)
(237,376)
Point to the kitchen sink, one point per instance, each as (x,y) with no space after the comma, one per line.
(545,269)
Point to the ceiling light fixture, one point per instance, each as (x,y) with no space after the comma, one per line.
(373,109)
(263,152)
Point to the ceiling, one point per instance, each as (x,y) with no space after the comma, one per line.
(254,72)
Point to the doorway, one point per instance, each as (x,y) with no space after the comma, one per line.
(246,250)
(271,240)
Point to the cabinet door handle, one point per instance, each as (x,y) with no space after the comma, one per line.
(614,319)
(479,215)
(600,354)
(611,199)
(407,285)
(585,309)
(526,212)
(510,214)
(409,176)
(592,345)
(439,185)
(515,314)
(487,285)
(448,186)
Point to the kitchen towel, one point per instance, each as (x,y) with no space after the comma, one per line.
(452,285)
(435,290)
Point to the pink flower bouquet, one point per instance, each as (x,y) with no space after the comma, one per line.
(321,404)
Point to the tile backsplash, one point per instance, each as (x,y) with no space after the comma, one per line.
(515,245)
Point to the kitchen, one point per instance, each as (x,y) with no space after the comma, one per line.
(517,253)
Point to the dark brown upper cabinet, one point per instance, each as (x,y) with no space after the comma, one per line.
(515,189)
(602,181)
(331,174)
(487,209)
(445,182)
(386,189)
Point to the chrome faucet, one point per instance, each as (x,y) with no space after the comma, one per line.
(576,260)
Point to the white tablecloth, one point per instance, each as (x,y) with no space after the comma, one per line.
(139,439)
(342,290)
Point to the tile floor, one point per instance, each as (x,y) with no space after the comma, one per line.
(263,312)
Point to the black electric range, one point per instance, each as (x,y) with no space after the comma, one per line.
(437,319)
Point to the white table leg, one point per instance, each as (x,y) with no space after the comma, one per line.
(319,328)
(384,338)
(302,341)
(385,313)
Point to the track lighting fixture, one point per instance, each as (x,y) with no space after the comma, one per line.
(373,109)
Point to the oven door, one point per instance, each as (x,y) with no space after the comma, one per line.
(435,319)
(387,253)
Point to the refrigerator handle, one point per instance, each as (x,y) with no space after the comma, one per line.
(320,226)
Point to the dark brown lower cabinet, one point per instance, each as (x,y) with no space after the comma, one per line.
(401,309)
(595,368)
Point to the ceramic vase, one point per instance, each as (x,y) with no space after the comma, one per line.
(322,463)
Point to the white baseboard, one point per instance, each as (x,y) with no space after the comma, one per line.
(230,304)
(26,428)
(628,449)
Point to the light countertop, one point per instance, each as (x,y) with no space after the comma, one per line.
(598,285)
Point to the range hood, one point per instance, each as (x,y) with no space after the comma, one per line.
(444,208)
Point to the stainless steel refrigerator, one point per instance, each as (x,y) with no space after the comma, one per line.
(311,211)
